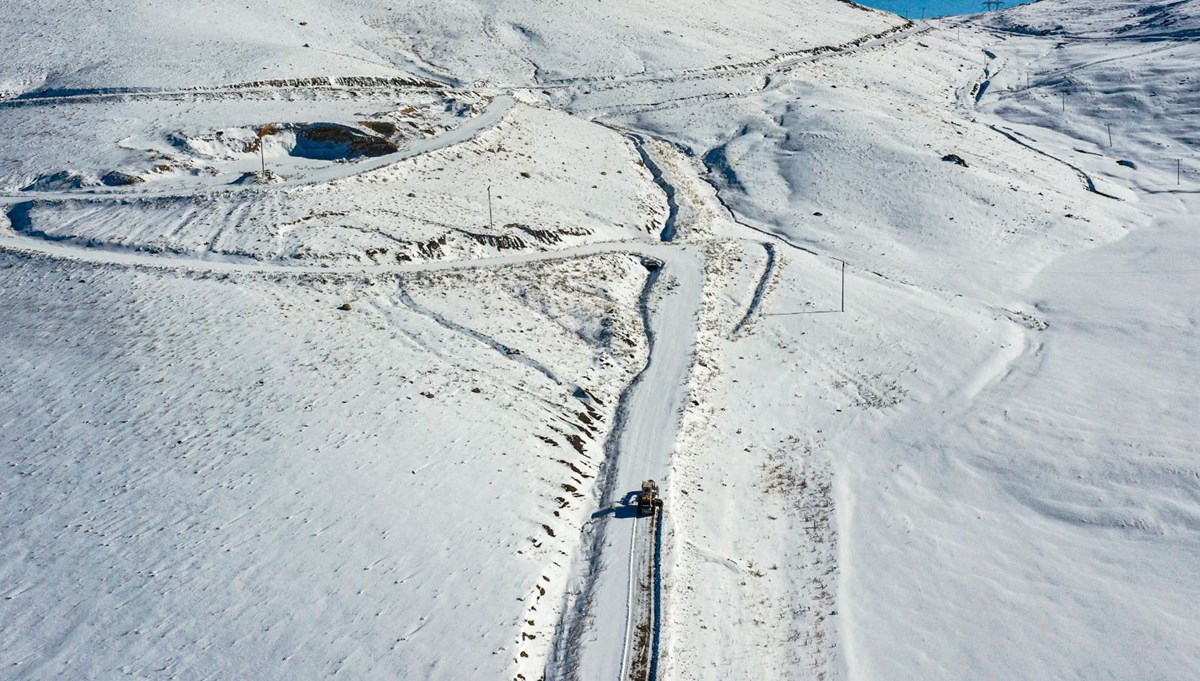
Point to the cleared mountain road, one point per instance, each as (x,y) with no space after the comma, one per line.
(643,440)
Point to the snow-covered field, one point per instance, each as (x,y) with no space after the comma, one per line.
(377,413)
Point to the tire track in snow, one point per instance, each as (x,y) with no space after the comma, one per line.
(272,87)
(767,69)
(777,62)
(656,605)
(710,161)
(760,292)
(632,592)
(505,350)
(495,112)
(23,240)
(1088,184)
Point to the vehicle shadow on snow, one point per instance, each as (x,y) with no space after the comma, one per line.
(625,508)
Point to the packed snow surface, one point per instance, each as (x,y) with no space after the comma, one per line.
(338,336)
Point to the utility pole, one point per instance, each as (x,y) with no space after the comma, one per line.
(843,286)
(262,155)
(1064,102)
(1109,126)
(491,222)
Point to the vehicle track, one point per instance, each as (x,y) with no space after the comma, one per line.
(767,71)
(272,87)
(492,115)
(67,250)
(760,292)
(1088,183)
(505,351)
(779,62)
(656,606)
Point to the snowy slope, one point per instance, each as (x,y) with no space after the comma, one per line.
(195,499)
(373,413)
(89,44)
(1108,22)
(986,467)
(427,201)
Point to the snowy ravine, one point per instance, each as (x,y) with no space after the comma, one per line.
(901,317)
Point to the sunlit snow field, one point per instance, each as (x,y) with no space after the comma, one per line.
(901,315)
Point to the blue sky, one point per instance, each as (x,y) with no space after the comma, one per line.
(932,8)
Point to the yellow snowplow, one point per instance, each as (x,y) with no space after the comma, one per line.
(648,499)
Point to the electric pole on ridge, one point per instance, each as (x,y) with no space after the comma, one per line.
(843,286)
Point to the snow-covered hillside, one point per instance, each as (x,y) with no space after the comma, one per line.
(901,317)
(101,44)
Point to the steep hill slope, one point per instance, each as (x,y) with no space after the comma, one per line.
(86,44)
(346,359)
